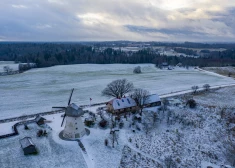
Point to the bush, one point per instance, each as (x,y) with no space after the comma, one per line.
(40,133)
(26,127)
(206,87)
(192,103)
(195,88)
(89,123)
(106,142)
(121,124)
(103,123)
(137,70)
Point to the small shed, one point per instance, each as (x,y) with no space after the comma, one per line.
(40,120)
(152,101)
(28,146)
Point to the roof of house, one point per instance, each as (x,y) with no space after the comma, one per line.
(152,99)
(122,103)
(25,142)
(74,111)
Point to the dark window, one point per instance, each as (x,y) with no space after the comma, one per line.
(128,101)
(118,103)
(76,128)
(158,103)
(122,100)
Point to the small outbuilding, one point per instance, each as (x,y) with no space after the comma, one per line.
(40,120)
(152,101)
(28,146)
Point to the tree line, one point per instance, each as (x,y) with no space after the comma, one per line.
(50,54)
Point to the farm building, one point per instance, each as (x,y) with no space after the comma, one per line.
(28,146)
(122,105)
(152,101)
(40,120)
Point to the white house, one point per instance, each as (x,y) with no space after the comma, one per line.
(127,104)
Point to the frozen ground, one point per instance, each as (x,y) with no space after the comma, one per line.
(53,152)
(6,128)
(185,137)
(190,138)
(222,70)
(11,64)
(37,90)
(223,97)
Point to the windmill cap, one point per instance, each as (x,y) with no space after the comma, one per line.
(74,111)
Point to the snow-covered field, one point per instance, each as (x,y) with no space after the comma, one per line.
(37,90)
(53,152)
(185,137)
(222,70)
(11,65)
(189,138)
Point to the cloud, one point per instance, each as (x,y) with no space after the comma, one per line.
(56,20)
(19,6)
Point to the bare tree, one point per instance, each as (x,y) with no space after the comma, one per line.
(192,103)
(7,69)
(206,87)
(195,88)
(137,70)
(230,150)
(140,96)
(165,103)
(169,162)
(118,88)
(149,121)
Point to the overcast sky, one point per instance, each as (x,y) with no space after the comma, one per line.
(101,20)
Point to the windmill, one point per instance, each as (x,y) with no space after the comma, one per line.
(74,127)
(64,108)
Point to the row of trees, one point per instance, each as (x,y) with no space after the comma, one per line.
(49,54)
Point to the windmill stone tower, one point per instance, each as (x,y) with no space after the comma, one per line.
(74,127)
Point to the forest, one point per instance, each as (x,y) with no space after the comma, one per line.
(59,53)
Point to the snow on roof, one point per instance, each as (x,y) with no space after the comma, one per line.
(122,103)
(74,106)
(152,99)
(25,142)
(39,118)
(74,111)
